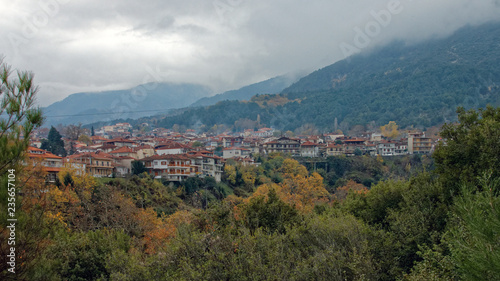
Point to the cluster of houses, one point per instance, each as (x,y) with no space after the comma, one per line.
(331,145)
(174,157)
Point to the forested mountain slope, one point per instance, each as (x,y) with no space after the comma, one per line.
(419,85)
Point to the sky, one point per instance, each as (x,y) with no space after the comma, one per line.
(77,46)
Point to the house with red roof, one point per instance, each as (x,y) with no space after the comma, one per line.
(172,167)
(172,147)
(232,152)
(52,164)
(333,149)
(106,147)
(283,145)
(353,144)
(144,151)
(124,151)
(309,149)
(204,164)
(98,139)
(119,142)
(97,164)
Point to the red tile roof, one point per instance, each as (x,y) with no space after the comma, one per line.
(34,152)
(333,145)
(95,155)
(122,149)
(355,140)
(120,140)
(171,145)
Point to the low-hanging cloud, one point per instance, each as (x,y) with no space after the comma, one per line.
(76,45)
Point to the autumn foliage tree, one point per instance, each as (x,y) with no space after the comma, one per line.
(297,189)
(351,186)
(34,228)
(390,130)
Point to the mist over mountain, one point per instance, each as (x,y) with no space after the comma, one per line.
(420,85)
(271,86)
(151,99)
(143,100)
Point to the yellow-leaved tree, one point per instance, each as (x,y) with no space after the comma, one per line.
(298,189)
(390,130)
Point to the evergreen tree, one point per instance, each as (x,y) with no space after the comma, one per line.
(68,180)
(21,118)
(92,133)
(471,149)
(54,143)
(138,168)
(475,230)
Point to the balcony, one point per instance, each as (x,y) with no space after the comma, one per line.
(52,165)
(173,164)
(176,174)
(100,166)
(422,146)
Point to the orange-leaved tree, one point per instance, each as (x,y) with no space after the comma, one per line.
(351,186)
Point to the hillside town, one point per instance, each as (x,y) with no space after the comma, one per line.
(174,156)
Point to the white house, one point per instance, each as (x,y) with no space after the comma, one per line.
(232,152)
(309,149)
(386,148)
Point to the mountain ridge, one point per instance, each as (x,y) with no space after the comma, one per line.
(420,84)
(128,103)
(270,86)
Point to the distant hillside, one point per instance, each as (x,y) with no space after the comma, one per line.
(143,100)
(419,85)
(271,86)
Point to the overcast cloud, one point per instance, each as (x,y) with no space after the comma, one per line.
(76,45)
